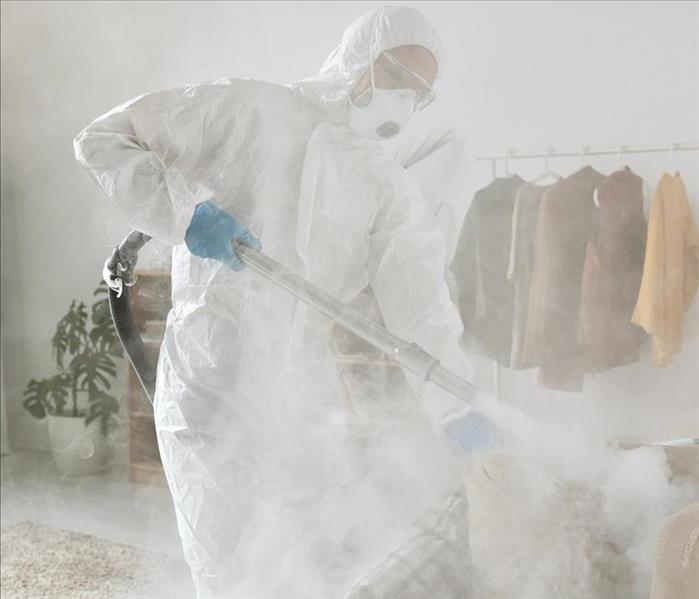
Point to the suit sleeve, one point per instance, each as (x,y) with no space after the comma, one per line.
(406,271)
(139,154)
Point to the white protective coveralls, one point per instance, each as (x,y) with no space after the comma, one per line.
(277,494)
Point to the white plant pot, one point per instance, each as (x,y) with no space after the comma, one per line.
(78,450)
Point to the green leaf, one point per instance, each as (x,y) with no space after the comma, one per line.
(103,406)
(71,332)
(93,370)
(36,398)
(58,392)
(103,403)
(100,312)
(101,288)
(103,337)
(60,342)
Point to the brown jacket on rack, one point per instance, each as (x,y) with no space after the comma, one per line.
(567,217)
(612,274)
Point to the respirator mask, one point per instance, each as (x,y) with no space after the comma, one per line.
(381,113)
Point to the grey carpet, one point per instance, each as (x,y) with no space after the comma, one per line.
(39,562)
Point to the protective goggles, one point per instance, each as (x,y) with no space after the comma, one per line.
(391,73)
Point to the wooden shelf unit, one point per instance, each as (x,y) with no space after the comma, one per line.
(150,303)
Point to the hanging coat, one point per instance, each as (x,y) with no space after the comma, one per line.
(567,219)
(670,270)
(612,274)
(481,291)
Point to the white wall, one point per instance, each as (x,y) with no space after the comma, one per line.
(518,74)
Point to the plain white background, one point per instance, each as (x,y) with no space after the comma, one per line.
(517,74)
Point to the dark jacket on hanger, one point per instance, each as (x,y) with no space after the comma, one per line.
(482,293)
(566,222)
(612,275)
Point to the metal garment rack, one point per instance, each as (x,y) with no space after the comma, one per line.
(583,153)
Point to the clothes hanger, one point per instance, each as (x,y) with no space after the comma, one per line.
(671,161)
(583,154)
(510,152)
(595,192)
(547,170)
(619,151)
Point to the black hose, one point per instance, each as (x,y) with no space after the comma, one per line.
(131,341)
(121,265)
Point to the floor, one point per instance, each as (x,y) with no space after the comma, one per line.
(107,506)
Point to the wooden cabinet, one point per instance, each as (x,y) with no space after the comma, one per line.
(150,303)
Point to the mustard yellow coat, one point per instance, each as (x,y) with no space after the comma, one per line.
(670,270)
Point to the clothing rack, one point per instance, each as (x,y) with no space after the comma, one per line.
(583,152)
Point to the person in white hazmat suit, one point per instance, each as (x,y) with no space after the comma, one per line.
(275,496)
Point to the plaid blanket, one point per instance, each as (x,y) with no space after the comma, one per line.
(433,563)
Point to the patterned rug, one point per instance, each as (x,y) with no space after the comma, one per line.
(39,562)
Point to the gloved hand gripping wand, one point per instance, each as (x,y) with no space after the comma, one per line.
(119,269)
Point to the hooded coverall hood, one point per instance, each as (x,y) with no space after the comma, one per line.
(363,41)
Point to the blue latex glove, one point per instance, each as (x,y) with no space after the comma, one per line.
(473,431)
(210,232)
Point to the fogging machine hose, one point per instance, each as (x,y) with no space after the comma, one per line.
(120,309)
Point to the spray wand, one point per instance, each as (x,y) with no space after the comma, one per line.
(409,355)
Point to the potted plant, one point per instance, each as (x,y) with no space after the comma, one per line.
(76,400)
